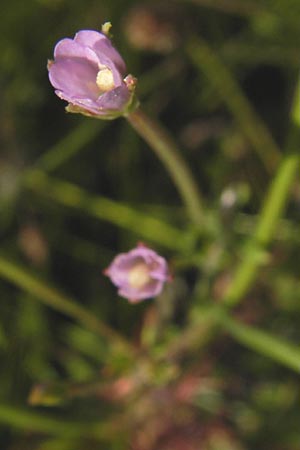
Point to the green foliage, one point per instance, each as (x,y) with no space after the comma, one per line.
(216,357)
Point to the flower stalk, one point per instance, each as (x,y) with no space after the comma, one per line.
(168,153)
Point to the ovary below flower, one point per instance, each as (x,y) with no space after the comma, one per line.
(139,274)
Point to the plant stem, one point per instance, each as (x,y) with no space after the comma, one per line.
(208,320)
(103,208)
(71,144)
(166,150)
(207,61)
(267,223)
(56,300)
(278,349)
(21,418)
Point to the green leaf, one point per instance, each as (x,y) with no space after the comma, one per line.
(262,342)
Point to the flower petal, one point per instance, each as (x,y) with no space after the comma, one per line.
(102,46)
(118,270)
(85,104)
(67,48)
(75,78)
(114,99)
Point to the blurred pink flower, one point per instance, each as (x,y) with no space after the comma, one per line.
(88,72)
(139,274)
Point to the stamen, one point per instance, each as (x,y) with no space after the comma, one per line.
(105,79)
(139,275)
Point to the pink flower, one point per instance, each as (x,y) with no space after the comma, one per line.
(139,274)
(88,72)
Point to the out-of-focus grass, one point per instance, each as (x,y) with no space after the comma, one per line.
(189,370)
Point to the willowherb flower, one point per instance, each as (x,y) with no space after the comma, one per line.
(139,274)
(89,74)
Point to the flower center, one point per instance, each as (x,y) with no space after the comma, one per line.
(139,275)
(105,79)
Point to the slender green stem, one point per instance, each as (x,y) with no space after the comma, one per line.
(211,319)
(22,418)
(119,214)
(72,143)
(205,59)
(287,230)
(167,151)
(208,321)
(262,342)
(56,300)
(267,223)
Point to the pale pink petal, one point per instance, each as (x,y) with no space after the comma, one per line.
(114,99)
(102,46)
(67,48)
(74,77)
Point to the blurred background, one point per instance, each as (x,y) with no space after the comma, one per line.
(74,192)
